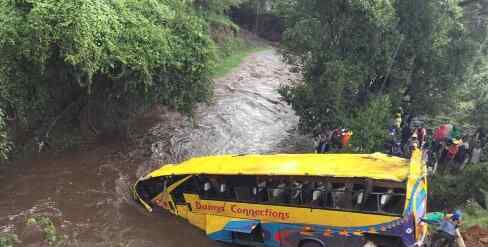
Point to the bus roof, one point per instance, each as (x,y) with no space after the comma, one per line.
(375,166)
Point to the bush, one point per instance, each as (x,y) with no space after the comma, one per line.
(370,125)
(451,191)
(110,55)
(47,226)
(8,239)
(216,6)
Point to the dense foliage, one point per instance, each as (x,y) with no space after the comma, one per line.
(374,115)
(350,52)
(216,6)
(107,55)
(453,191)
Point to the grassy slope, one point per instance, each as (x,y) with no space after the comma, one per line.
(226,64)
(474,215)
(237,45)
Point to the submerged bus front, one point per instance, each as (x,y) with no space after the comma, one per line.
(295,200)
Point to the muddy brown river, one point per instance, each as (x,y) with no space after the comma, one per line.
(85,192)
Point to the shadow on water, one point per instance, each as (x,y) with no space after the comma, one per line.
(86,192)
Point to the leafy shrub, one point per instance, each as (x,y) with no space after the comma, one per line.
(115,55)
(216,6)
(8,239)
(47,226)
(370,124)
(450,191)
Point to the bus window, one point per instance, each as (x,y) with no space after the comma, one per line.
(296,193)
(223,189)
(342,196)
(320,195)
(278,191)
(213,187)
(148,189)
(359,195)
(259,192)
(243,194)
(394,201)
(307,192)
(385,200)
(206,187)
(186,187)
(243,188)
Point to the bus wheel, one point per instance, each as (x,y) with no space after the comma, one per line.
(310,243)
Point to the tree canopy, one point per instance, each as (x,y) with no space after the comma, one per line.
(415,52)
(114,52)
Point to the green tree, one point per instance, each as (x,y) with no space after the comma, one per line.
(111,56)
(351,52)
(370,124)
(216,6)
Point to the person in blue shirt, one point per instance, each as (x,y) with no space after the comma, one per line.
(448,229)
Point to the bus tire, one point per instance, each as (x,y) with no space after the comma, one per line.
(310,243)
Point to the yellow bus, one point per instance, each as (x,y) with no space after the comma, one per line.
(295,200)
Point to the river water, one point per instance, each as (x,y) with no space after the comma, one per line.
(85,191)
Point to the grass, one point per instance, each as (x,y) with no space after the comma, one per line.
(226,64)
(475,215)
(232,48)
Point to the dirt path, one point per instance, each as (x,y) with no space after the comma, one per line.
(86,192)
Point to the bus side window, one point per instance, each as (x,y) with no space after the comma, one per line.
(342,196)
(320,195)
(279,193)
(259,192)
(359,195)
(243,188)
(394,201)
(224,190)
(207,190)
(149,189)
(371,203)
(177,193)
(384,199)
(296,193)
(307,192)
(243,194)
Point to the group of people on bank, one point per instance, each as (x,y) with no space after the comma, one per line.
(445,147)
(333,140)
